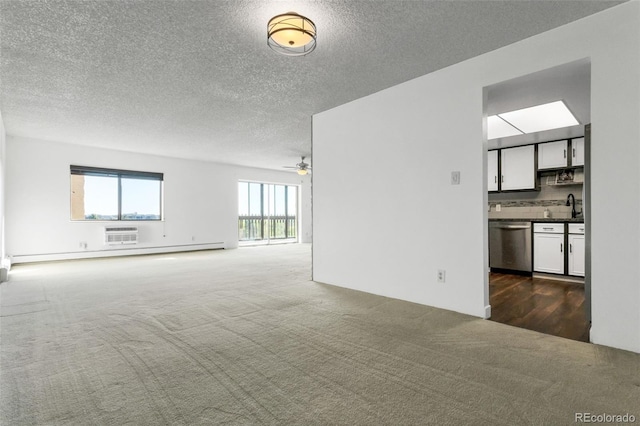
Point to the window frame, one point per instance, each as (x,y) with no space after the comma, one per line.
(120,174)
(267,227)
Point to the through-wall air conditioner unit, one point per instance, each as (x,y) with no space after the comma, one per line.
(117,235)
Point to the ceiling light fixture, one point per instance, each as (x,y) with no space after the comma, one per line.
(539,118)
(291,34)
(302,168)
(553,115)
(498,128)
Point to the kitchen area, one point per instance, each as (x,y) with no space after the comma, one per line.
(538,230)
(537,183)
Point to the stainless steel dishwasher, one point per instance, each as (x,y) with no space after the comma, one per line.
(510,245)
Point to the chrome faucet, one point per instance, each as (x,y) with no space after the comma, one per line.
(573,205)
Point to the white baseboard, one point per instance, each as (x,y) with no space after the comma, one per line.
(126,251)
(487,312)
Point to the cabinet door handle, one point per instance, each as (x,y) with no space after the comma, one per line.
(502,178)
(496,179)
(564,153)
(574,153)
(570,249)
(560,247)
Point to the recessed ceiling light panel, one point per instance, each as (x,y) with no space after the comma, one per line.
(538,118)
(498,128)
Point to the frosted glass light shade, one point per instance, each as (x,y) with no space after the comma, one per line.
(302,172)
(291,34)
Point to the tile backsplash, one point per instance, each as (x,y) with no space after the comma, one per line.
(532,204)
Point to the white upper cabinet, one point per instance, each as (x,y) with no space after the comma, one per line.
(577,152)
(518,168)
(492,170)
(552,155)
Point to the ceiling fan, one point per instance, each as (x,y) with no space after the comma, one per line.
(302,168)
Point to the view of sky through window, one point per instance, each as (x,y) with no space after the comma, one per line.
(140,197)
(99,198)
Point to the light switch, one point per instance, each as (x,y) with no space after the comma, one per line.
(455,178)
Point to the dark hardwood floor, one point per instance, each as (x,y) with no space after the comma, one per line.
(548,306)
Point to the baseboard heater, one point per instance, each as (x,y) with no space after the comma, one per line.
(119,235)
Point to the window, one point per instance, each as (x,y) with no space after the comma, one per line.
(267,211)
(108,194)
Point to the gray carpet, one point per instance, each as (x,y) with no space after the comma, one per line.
(243,337)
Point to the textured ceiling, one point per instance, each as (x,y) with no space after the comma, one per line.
(195,79)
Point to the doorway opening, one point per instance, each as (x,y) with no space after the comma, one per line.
(538,187)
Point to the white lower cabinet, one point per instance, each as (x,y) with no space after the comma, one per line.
(548,248)
(576,250)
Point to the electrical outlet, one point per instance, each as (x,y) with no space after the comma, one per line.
(442,275)
(455,178)
(498,207)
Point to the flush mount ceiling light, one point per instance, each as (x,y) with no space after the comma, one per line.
(291,34)
(553,115)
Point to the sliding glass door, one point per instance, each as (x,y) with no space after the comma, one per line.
(267,212)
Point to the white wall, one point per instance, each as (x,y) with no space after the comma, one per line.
(2,187)
(200,202)
(389,225)
(306,219)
